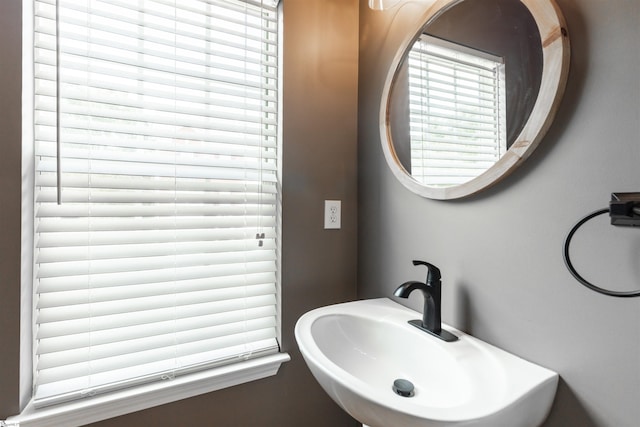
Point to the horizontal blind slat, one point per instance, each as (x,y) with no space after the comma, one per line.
(54,327)
(115,293)
(128,331)
(121,343)
(58,255)
(114,264)
(114,182)
(124,230)
(131,210)
(151,276)
(110,75)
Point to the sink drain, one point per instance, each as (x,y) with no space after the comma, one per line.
(403,387)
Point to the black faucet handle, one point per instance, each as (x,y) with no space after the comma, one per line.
(433,272)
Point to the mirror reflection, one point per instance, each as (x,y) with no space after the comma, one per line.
(465,90)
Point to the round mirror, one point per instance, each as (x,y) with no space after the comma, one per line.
(472,92)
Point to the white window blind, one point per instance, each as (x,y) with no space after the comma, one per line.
(157,121)
(457,111)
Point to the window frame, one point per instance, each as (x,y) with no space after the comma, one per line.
(83,411)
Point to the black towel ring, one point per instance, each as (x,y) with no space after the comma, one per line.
(579,278)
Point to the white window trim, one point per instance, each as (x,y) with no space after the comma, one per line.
(98,408)
(122,402)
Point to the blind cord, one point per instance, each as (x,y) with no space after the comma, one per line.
(58,132)
(578,277)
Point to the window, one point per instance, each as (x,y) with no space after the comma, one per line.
(457,111)
(156,192)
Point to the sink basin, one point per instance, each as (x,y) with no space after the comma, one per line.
(356,351)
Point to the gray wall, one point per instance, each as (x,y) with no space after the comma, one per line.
(10,178)
(501,251)
(319,266)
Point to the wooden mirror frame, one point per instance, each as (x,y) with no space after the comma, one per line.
(555,69)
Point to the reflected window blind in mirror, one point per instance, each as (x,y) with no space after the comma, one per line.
(457,111)
(157,122)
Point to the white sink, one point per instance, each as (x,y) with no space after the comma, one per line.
(357,350)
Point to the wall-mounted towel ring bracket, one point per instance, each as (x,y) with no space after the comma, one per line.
(573,271)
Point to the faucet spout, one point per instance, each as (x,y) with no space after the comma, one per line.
(404,290)
(431,318)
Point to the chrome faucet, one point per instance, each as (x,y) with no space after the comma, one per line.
(431,319)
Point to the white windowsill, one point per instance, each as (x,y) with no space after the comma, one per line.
(111,405)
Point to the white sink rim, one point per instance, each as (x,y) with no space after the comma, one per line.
(344,387)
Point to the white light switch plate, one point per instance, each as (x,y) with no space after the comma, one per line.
(332,211)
